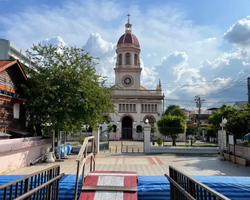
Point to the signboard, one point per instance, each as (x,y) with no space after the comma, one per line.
(231,139)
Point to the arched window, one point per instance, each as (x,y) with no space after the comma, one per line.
(136,60)
(120,59)
(127,59)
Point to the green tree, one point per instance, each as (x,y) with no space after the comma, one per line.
(175,110)
(237,120)
(224,111)
(172,126)
(238,123)
(66,92)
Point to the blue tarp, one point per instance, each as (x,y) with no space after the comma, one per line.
(68,149)
(157,187)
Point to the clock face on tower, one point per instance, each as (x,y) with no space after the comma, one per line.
(127,80)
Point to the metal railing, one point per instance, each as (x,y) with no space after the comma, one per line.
(183,187)
(81,159)
(46,191)
(45,180)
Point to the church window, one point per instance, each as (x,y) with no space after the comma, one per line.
(128,58)
(127,107)
(130,109)
(123,107)
(120,107)
(155,107)
(120,60)
(136,60)
(134,107)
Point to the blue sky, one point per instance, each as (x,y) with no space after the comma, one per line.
(182,41)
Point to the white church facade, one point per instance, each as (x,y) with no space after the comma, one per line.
(133,103)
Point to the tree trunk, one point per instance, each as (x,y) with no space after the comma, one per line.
(174,142)
(38,130)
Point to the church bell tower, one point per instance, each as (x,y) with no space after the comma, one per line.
(128,69)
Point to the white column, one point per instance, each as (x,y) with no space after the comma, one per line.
(147,130)
(97,138)
(132,59)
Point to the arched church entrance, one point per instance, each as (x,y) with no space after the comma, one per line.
(127,128)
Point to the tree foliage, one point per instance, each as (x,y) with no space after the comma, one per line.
(172,126)
(237,119)
(66,92)
(175,110)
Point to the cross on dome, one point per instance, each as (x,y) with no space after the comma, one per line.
(128,17)
(128,26)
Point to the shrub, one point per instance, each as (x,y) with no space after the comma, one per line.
(139,129)
(159,141)
(110,128)
(82,139)
(245,143)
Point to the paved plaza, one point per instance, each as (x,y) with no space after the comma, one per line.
(149,165)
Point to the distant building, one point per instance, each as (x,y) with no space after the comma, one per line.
(194,118)
(240,104)
(210,110)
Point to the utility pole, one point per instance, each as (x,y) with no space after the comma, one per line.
(248,88)
(163,105)
(198,102)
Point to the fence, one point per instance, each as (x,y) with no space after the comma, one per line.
(81,159)
(241,151)
(184,187)
(40,185)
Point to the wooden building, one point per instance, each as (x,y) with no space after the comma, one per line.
(12,103)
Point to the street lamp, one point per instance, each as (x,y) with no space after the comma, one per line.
(223,123)
(146,121)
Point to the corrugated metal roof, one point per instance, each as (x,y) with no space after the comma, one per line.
(2,134)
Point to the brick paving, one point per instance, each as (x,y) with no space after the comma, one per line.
(149,165)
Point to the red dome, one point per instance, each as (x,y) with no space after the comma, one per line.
(128,38)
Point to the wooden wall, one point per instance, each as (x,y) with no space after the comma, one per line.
(9,82)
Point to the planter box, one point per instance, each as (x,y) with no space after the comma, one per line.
(232,158)
(226,156)
(241,161)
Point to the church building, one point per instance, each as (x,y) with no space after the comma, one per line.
(134,104)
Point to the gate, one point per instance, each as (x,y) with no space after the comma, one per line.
(135,145)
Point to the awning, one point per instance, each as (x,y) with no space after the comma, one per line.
(22,133)
(2,134)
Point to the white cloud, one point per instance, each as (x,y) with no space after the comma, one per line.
(185,56)
(239,32)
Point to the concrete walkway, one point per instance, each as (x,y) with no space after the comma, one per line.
(149,165)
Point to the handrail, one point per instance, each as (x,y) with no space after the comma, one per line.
(28,176)
(195,188)
(49,192)
(23,185)
(177,192)
(81,159)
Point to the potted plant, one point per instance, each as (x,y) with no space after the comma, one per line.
(159,141)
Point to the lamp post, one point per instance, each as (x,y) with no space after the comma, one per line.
(222,125)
